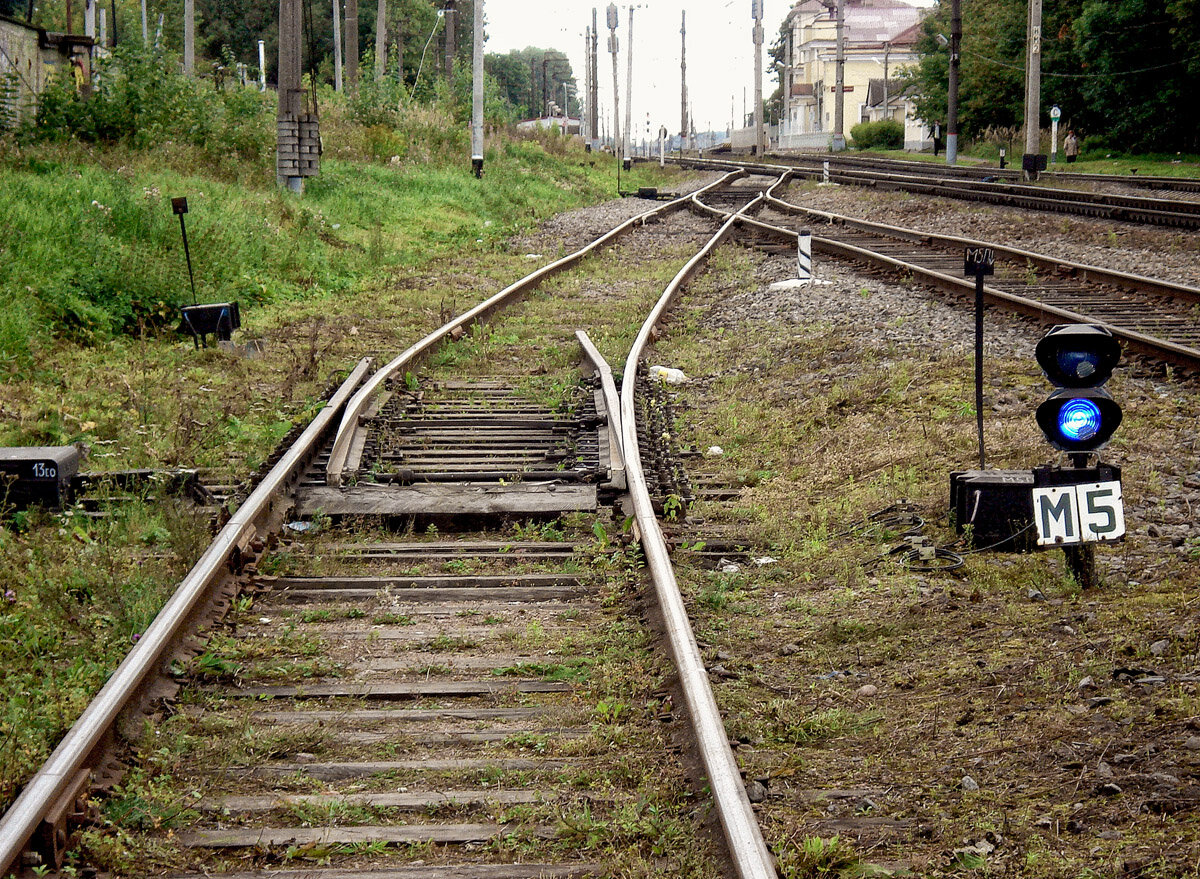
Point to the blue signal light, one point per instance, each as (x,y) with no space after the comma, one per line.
(1079,420)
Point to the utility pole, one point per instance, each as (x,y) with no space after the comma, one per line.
(760,146)
(839,136)
(587,85)
(952,85)
(145,26)
(70,17)
(613,46)
(381,41)
(1033,91)
(594,94)
(477,93)
(89,18)
(451,36)
(337,45)
(189,36)
(352,45)
(683,94)
(629,86)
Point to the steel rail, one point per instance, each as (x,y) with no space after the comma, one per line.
(341,446)
(1150,344)
(612,406)
(21,821)
(750,855)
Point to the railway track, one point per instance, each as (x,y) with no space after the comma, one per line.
(978,172)
(1155,317)
(1152,211)
(407,684)
(428,664)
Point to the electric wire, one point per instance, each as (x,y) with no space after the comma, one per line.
(416,79)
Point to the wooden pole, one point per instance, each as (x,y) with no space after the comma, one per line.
(451,36)
(337,46)
(683,95)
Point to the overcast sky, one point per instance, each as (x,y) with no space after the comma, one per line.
(720,51)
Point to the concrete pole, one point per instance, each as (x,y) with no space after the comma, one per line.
(683,93)
(189,37)
(381,41)
(145,26)
(952,85)
(629,87)
(594,94)
(352,45)
(760,140)
(337,46)
(886,52)
(587,85)
(262,66)
(613,47)
(89,18)
(839,101)
(1033,86)
(477,93)
(291,93)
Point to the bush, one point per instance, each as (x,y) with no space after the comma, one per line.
(886,134)
(140,100)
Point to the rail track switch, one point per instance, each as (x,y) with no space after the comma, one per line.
(997,506)
(218,319)
(37,475)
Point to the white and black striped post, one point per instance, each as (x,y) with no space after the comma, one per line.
(825,171)
(804,255)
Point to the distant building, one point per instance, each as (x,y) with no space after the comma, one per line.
(30,57)
(569,124)
(880,38)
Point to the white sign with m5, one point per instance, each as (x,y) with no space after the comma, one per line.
(1071,514)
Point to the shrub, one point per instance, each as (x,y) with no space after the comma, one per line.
(886,134)
(139,99)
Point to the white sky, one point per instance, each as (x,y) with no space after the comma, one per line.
(720,52)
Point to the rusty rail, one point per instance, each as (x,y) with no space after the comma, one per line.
(747,849)
(59,777)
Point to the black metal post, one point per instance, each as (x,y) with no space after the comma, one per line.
(979,363)
(1081,558)
(188,255)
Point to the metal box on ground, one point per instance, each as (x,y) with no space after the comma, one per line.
(218,318)
(37,475)
(997,505)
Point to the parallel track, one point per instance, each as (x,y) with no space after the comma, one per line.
(1155,317)
(966,171)
(1150,211)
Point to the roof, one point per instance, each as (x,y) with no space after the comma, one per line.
(869,21)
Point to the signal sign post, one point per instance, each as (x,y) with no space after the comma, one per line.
(980,262)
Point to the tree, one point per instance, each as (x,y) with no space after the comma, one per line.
(1138,59)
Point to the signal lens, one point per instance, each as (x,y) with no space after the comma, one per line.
(1078,365)
(1079,420)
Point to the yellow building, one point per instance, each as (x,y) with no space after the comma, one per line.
(29,58)
(879,38)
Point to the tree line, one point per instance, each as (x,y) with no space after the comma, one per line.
(1119,70)
(228,31)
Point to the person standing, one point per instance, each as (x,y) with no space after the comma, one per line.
(1071,147)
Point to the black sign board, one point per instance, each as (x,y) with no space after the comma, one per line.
(979,261)
(179,206)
